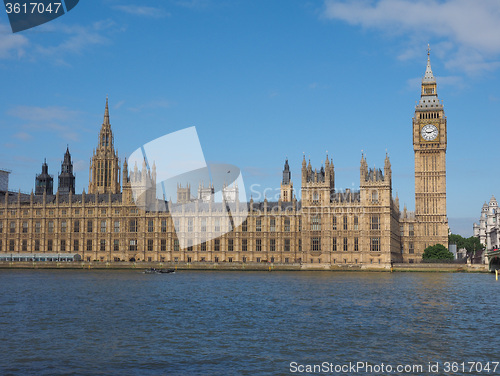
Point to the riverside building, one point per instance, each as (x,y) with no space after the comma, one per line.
(328,227)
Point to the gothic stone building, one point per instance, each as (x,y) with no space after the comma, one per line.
(327,226)
(488,229)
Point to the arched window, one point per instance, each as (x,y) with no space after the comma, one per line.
(315,197)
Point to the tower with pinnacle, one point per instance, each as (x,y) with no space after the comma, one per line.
(286,184)
(104,174)
(66,177)
(44,183)
(429,145)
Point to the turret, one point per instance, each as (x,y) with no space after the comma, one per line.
(363,169)
(44,183)
(387,169)
(286,184)
(125,178)
(66,177)
(304,170)
(286,174)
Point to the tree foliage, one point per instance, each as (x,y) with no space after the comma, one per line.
(437,252)
(458,240)
(471,244)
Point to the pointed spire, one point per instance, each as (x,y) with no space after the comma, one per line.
(428,77)
(286,174)
(106,113)
(45,167)
(67,156)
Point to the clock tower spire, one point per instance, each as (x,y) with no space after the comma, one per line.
(429,145)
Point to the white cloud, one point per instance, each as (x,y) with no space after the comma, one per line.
(466,30)
(142,11)
(53,119)
(65,40)
(316,85)
(118,105)
(75,39)
(11,45)
(23,136)
(42,114)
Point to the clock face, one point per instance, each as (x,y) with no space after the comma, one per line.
(429,132)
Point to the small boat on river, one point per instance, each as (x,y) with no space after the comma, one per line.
(158,271)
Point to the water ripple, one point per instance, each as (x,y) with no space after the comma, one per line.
(239,323)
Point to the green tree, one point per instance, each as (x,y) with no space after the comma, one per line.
(437,252)
(472,244)
(458,240)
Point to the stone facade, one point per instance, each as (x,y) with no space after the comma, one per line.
(104,173)
(429,221)
(328,227)
(488,229)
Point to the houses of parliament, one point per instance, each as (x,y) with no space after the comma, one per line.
(327,227)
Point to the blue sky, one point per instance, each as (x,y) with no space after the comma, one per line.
(261,81)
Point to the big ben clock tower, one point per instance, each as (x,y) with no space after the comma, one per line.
(429,144)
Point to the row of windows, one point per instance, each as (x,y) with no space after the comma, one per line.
(272,225)
(345,261)
(315,197)
(374,245)
(316,223)
(132,245)
(315,245)
(411,230)
(244,259)
(429,115)
(133,225)
(63,212)
(77,228)
(65,247)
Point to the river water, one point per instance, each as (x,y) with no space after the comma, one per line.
(64,322)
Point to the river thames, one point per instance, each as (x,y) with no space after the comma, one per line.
(65,322)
